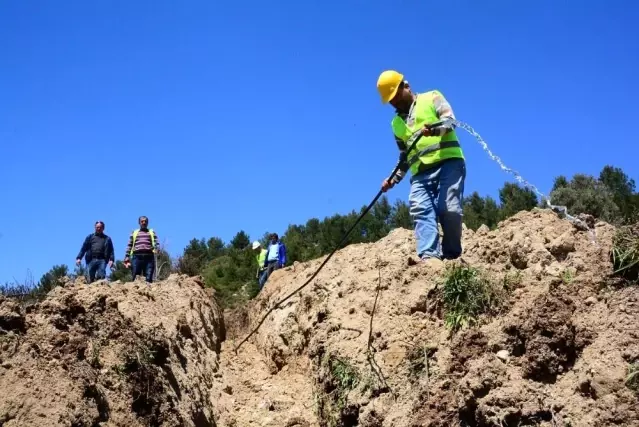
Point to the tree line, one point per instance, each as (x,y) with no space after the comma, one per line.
(230,267)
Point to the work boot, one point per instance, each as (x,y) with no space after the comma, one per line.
(434,264)
(458,262)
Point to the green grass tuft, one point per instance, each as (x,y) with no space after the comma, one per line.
(468,293)
(632,380)
(625,253)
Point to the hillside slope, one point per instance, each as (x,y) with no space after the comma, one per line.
(111,355)
(556,353)
(553,350)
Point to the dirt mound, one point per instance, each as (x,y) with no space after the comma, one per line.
(554,352)
(111,355)
(524,330)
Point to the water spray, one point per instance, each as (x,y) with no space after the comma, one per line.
(562,211)
(411,143)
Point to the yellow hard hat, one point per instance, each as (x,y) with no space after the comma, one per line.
(387,84)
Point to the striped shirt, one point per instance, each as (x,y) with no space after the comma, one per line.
(443,110)
(142,242)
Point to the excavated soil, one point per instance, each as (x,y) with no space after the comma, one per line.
(111,355)
(556,352)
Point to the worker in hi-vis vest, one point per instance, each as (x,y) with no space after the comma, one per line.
(436,163)
(141,250)
(260,257)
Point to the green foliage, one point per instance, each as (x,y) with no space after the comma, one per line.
(485,210)
(344,377)
(30,290)
(232,276)
(479,210)
(625,252)
(120,272)
(240,241)
(79,271)
(52,277)
(632,380)
(586,194)
(231,268)
(466,294)
(514,198)
(400,216)
(611,198)
(623,193)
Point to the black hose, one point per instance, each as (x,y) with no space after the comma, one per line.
(413,140)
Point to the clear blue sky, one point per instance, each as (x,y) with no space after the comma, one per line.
(211,117)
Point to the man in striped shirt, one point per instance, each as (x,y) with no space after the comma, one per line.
(141,250)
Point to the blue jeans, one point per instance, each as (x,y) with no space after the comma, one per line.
(96,269)
(436,195)
(271,266)
(143,264)
(262,278)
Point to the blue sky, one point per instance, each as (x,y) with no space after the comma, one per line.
(211,117)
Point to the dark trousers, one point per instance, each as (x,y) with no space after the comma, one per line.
(143,264)
(96,269)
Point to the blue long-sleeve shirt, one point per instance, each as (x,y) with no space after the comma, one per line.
(281,253)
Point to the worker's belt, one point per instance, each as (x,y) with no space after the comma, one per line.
(432,148)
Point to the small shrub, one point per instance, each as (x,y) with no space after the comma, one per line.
(625,253)
(344,375)
(632,381)
(338,378)
(418,357)
(512,280)
(466,294)
(27,292)
(567,276)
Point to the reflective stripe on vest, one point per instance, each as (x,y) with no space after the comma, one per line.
(429,149)
(135,236)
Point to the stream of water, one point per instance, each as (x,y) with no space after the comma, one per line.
(562,211)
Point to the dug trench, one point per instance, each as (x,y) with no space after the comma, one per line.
(525,330)
(551,345)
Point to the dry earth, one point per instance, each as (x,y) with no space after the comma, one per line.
(556,353)
(111,355)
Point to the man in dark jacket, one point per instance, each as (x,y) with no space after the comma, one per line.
(98,248)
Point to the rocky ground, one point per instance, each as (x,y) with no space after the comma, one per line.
(555,351)
(111,355)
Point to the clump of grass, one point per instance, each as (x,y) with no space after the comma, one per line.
(468,293)
(344,375)
(632,381)
(625,253)
(338,379)
(417,357)
(567,276)
(512,280)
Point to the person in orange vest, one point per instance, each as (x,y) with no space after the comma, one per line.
(436,163)
(141,250)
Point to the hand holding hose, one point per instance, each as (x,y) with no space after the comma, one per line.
(427,131)
(387,185)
